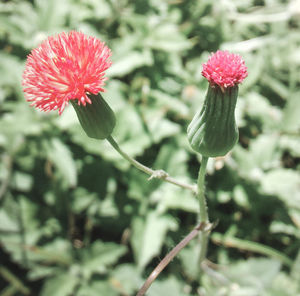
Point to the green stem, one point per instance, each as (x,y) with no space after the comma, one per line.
(203,215)
(201,191)
(233,242)
(14,281)
(159,174)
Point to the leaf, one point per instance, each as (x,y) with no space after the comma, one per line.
(263,151)
(167,196)
(258,273)
(62,158)
(291,114)
(100,256)
(159,126)
(169,286)
(51,14)
(39,272)
(61,285)
(166,37)
(126,279)
(22,181)
(129,62)
(283,285)
(97,288)
(148,237)
(290,143)
(285,184)
(278,87)
(188,256)
(259,108)
(280,227)
(8,223)
(168,102)
(295,272)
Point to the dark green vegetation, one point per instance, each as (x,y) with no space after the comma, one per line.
(75,219)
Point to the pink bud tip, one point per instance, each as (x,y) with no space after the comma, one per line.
(225,69)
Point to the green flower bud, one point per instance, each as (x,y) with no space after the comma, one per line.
(97,119)
(213,131)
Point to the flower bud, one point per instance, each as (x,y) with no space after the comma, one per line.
(97,119)
(213,131)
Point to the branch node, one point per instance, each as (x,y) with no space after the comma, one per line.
(158,174)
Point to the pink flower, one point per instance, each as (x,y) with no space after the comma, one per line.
(225,69)
(65,67)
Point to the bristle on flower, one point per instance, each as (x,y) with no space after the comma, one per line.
(65,67)
(225,69)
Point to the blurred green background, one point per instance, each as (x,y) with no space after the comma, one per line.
(76,219)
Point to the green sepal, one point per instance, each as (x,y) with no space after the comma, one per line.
(213,131)
(97,119)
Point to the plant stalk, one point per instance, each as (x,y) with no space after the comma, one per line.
(234,242)
(159,174)
(169,257)
(203,214)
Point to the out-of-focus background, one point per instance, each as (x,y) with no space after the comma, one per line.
(76,219)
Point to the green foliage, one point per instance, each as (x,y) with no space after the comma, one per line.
(76,219)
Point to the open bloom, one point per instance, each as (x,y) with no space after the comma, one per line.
(65,67)
(225,69)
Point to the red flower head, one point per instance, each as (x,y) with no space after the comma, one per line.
(65,67)
(225,69)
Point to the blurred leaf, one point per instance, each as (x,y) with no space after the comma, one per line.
(169,286)
(130,62)
(263,151)
(169,197)
(279,227)
(291,114)
(22,181)
(262,155)
(61,285)
(97,288)
(12,66)
(240,197)
(52,14)
(256,273)
(126,279)
(259,108)
(166,37)
(62,158)
(8,224)
(290,143)
(159,126)
(283,285)
(188,257)
(285,184)
(100,256)
(295,273)
(279,88)
(169,103)
(147,237)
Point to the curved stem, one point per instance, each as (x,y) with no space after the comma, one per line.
(169,257)
(234,242)
(203,215)
(160,174)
